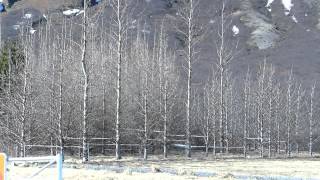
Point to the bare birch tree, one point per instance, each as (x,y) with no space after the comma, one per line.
(85,85)
(289,112)
(311,123)
(191,32)
(120,24)
(247,90)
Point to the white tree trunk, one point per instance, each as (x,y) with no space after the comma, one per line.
(246,112)
(311,122)
(189,77)
(165,120)
(119,77)
(85,146)
(288,115)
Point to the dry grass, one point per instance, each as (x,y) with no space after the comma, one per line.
(185,168)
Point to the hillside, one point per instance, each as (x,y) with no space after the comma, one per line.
(284,32)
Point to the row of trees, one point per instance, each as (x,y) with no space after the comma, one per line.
(117,85)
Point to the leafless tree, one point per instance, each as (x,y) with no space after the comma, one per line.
(190,32)
(225,52)
(247,90)
(311,121)
(120,24)
(289,112)
(84,62)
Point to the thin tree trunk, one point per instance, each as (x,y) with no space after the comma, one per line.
(60,123)
(269,128)
(260,110)
(270,87)
(297,119)
(246,99)
(222,69)
(165,123)
(227,124)
(52,136)
(207,134)
(119,78)
(288,117)
(145,142)
(85,147)
(311,122)
(24,104)
(277,118)
(104,120)
(189,79)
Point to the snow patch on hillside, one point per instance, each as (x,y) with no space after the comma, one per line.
(32,31)
(27,16)
(71,12)
(294,19)
(287,5)
(235,30)
(16,27)
(268,6)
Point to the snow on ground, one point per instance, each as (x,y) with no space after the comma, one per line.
(226,167)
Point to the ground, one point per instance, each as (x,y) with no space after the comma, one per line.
(102,167)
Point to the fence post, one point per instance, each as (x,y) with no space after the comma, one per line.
(3,166)
(88,152)
(59,166)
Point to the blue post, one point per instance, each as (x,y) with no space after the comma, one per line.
(59,166)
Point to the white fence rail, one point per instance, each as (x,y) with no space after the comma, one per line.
(50,160)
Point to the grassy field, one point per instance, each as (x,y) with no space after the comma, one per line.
(102,167)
